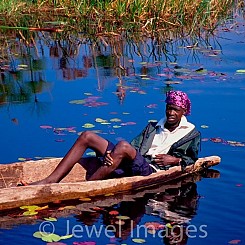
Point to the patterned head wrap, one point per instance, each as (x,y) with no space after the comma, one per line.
(180,99)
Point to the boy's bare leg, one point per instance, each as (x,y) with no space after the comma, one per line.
(123,150)
(86,140)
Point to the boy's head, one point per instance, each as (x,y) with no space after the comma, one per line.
(179,98)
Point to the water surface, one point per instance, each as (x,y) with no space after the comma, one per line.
(49,118)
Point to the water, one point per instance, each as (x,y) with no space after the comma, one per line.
(211,208)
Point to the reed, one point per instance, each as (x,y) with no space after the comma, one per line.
(98,16)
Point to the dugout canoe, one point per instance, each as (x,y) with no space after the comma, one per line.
(74,185)
(13,218)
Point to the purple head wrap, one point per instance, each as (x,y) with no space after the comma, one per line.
(180,99)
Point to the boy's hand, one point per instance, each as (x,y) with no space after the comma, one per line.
(108,160)
(165,159)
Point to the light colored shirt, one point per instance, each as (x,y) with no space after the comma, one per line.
(164,139)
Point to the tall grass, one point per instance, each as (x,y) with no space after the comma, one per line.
(100,16)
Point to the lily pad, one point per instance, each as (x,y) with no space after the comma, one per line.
(84,243)
(115,120)
(154,225)
(51,238)
(22,65)
(51,219)
(236,241)
(41,208)
(38,234)
(78,102)
(22,159)
(66,237)
(91,153)
(33,207)
(122,217)
(113,212)
(56,243)
(138,240)
(88,125)
(241,71)
(172,82)
(169,226)
(46,127)
(100,120)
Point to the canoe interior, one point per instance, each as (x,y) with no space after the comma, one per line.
(30,171)
(74,185)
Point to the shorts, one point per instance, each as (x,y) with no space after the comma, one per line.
(139,166)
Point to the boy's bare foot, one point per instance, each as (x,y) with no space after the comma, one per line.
(22,183)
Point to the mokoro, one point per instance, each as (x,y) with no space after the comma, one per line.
(64,209)
(74,185)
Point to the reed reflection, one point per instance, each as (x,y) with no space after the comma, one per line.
(31,62)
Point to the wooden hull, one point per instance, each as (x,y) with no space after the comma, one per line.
(14,217)
(12,196)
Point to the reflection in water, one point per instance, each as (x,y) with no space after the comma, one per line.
(22,74)
(177,207)
(176,203)
(32,62)
(25,66)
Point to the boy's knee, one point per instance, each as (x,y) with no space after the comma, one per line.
(123,146)
(86,136)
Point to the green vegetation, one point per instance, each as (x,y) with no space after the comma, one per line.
(100,16)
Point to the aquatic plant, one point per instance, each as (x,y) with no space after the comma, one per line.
(97,16)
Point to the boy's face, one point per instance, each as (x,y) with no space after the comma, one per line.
(174,114)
